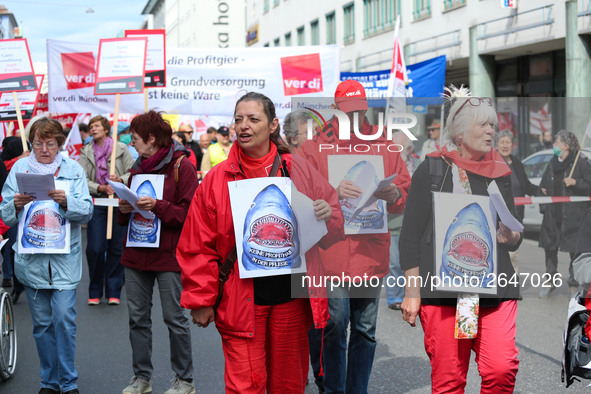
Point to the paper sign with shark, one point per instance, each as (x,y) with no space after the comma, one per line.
(42,228)
(269,236)
(465,243)
(143,232)
(366,214)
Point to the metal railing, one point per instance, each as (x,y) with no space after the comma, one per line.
(453,41)
(546,20)
(585,10)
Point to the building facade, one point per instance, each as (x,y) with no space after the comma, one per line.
(530,55)
(8,25)
(198,23)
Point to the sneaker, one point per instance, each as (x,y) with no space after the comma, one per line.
(138,386)
(114,301)
(545,292)
(180,386)
(6,282)
(94,301)
(572,292)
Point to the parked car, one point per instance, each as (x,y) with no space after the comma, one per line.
(535,165)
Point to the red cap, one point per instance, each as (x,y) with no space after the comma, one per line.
(350,96)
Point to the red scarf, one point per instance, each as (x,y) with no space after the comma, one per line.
(257,168)
(152,162)
(492,164)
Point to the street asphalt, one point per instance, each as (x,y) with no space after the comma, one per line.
(103,354)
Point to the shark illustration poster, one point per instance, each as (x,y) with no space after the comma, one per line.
(42,229)
(366,172)
(465,243)
(266,229)
(142,232)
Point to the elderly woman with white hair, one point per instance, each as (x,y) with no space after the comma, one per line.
(560,225)
(295,128)
(455,323)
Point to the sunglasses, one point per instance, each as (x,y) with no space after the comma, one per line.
(475,102)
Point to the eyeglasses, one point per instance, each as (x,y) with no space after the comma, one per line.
(134,140)
(475,102)
(48,145)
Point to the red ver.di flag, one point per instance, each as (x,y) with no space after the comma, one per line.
(27,102)
(155,56)
(16,68)
(121,65)
(74,141)
(301,74)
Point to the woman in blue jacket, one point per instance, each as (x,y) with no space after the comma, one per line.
(50,280)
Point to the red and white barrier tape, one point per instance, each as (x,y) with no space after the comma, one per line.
(548,200)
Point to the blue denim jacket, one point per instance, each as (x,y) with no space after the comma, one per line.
(51,271)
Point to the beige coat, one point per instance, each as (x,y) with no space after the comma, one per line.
(123,163)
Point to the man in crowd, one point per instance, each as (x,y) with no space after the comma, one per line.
(216,153)
(432,144)
(546,142)
(211,131)
(347,368)
(193,145)
(84,133)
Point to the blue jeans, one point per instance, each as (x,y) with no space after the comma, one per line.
(54,329)
(394,293)
(104,255)
(8,253)
(348,372)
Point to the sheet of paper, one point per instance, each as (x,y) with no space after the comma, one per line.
(127,194)
(368,197)
(506,218)
(35,185)
(311,229)
(364,181)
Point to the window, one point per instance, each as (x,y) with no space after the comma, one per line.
(301,37)
(450,4)
(276,42)
(266,45)
(379,15)
(530,166)
(275,3)
(349,11)
(288,39)
(265,6)
(421,9)
(314,33)
(331,29)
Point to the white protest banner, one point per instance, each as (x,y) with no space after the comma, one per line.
(16,67)
(121,65)
(155,56)
(200,81)
(142,232)
(27,102)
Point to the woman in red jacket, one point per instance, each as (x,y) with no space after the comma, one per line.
(143,266)
(263,328)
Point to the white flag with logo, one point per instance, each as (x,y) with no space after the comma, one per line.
(74,141)
(398,78)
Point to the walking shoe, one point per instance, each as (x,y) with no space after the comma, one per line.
(180,386)
(545,292)
(114,301)
(6,282)
(94,301)
(396,306)
(138,386)
(73,391)
(45,390)
(572,292)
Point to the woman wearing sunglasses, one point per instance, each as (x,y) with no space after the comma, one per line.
(456,323)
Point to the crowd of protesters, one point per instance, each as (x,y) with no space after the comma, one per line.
(271,330)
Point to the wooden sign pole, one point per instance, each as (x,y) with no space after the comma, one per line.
(578,154)
(146,99)
(112,169)
(19,116)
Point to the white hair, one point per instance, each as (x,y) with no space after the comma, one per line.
(469,116)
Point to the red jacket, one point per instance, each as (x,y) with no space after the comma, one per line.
(357,255)
(172,212)
(208,238)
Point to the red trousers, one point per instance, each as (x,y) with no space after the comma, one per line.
(275,359)
(496,353)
